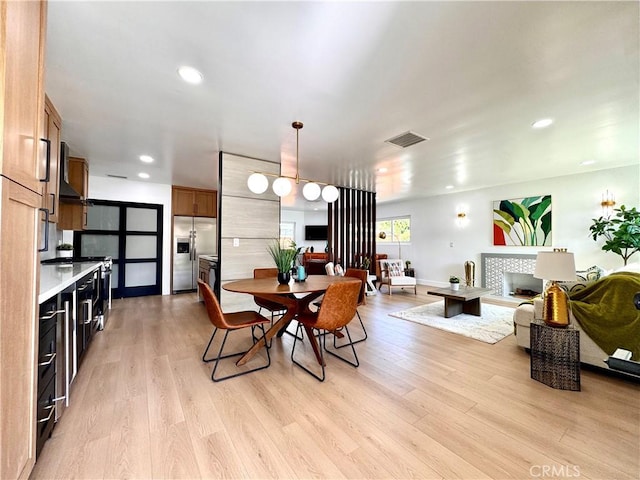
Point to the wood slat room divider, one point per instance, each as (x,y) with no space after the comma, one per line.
(352,228)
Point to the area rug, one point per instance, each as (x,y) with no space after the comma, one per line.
(495,323)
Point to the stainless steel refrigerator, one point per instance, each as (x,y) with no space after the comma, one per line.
(192,236)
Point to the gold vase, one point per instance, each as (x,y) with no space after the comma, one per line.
(469,273)
(555,307)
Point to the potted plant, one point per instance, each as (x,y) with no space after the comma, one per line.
(65,250)
(621,232)
(283,258)
(454,282)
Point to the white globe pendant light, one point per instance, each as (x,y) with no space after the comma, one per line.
(311,191)
(257,183)
(281,186)
(330,194)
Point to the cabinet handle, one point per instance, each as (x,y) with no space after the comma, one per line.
(51,356)
(52,410)
(47,172)
(46,230)
(53,203)
(89,305)
(51,314)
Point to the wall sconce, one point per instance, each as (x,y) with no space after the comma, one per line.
(461,216)
(607,204)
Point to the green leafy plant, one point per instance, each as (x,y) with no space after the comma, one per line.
(64,246)
(283,257)
(621,232)
(454,279)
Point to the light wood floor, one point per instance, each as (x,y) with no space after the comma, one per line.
(423,404)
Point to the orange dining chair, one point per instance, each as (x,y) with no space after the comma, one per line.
(361,275)
(338,308)
(230,322)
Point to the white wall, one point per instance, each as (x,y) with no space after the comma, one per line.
(575,202)
(302,218)
(120,190)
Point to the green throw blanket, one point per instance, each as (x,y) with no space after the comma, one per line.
(606,312)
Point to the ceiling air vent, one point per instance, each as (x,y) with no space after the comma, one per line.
(117,176)
(406,139)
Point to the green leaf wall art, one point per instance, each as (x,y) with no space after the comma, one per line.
(522,221)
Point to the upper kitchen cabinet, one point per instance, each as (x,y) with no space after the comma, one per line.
(73,216)
(23,35)
(51,128)
(194,202)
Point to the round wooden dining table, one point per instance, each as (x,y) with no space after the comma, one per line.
(294,296)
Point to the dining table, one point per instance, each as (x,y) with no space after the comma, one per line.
(294,296)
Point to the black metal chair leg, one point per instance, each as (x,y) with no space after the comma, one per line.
(220,356)
(310,372)
(364,330)
(356,362)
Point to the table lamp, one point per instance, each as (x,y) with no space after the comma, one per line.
(558,265)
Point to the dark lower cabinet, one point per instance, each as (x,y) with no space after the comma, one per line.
(55,362)
(85,291)
(47,353)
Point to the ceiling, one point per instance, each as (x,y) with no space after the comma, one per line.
(470,76)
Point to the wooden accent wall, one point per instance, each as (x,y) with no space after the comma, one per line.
(252,220)
(352,227)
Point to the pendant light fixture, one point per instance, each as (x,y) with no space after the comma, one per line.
(258,182)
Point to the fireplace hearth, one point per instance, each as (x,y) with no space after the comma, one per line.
(507,273)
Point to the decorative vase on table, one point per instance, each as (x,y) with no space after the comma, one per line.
(284,277)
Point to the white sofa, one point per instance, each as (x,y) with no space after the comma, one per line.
(392,275)
(590,353)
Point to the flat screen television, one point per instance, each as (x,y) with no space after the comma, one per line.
(315,232)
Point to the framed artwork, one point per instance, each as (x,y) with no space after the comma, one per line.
(522,221)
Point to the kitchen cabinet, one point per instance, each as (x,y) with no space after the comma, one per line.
(87,296)
(73,216)
(21,79)
(55,362)
(193,202)
(51,128)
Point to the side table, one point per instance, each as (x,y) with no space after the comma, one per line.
(555,356)
(410,272)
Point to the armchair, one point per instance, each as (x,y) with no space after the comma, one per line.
(392,275)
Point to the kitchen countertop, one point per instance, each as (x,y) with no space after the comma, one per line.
(55,277)
(211,258)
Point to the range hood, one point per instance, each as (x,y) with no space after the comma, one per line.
(67,192)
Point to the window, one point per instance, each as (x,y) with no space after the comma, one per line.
(287,233)
(394,230)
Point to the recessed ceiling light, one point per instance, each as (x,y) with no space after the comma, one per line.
(587,162)
(542,123)
(382,170)
(146,158)
(449,187)
(190,74)
(143,175)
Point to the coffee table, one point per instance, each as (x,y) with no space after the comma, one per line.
(465,300)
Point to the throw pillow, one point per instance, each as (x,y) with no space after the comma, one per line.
(591,274)
(395,269)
